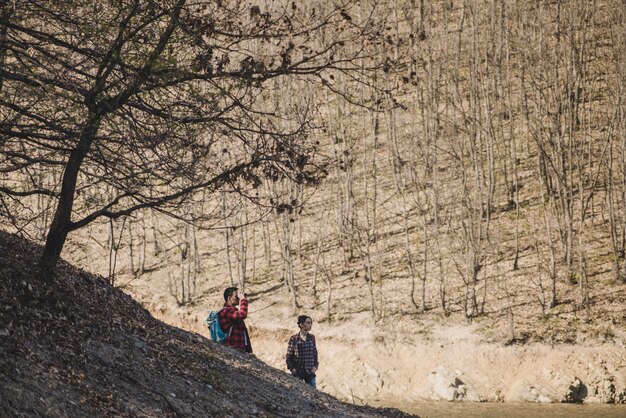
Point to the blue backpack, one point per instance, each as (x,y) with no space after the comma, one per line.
(212,321)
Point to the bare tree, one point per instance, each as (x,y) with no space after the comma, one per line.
(616,131)
(136,96)
(114,246)
(183,284)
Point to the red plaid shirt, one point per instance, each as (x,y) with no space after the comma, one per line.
(231,317)
(302,355)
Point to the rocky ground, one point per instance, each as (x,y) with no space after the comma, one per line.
(83,348)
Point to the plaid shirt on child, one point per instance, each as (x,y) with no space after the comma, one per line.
(229,317)
(302,355)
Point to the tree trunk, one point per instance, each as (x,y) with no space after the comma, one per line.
(62,221)
(5,15)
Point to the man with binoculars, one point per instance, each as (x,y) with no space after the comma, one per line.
(232,319)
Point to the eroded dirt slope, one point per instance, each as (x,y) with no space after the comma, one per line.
(83,348)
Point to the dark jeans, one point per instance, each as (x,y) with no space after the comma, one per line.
(308,378)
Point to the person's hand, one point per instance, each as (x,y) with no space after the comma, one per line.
(314,370)
(293,372)
(241,295)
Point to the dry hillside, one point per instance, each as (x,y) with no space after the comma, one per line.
(495,192)
(473,199)
(84,348)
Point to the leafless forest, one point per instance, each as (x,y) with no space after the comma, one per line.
(461,157)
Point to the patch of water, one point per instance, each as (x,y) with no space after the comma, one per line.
(512,410)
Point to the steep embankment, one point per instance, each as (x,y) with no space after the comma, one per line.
(426,360)
(452,363)
(415,358)
(84,348)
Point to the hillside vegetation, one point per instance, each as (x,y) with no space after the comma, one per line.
(494,190)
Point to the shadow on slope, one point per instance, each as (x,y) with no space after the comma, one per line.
(85,348)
